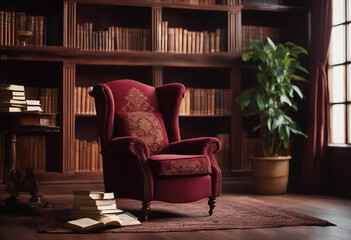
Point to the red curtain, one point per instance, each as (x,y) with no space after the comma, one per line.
(315,155)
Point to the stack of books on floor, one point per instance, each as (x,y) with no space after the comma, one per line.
(97,211)
(12,99)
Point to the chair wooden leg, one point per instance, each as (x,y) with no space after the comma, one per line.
(211,203)
(145,209)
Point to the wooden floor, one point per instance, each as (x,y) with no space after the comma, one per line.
(335,210)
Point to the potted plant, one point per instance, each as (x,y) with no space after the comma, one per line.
(271,99)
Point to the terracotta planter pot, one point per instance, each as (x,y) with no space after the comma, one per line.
(270,174)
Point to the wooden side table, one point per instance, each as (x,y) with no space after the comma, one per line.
(10,125)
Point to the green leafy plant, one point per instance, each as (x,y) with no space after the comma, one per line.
(275,91)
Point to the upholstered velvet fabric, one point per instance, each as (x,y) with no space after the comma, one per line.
(182,189)
(132,167)
(148,126)
(169,97)
(173,165)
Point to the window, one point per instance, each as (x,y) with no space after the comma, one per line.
(339,73)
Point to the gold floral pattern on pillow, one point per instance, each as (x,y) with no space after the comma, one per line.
(137,101)
(185,167)
(146,126)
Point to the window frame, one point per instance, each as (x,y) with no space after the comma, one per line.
(346,103)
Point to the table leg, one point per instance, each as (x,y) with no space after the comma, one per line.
(10,155)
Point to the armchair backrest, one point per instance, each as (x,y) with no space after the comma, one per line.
(130,108)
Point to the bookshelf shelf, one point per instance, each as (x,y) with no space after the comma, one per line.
(36,53)
(272,8)
(156,59)
(204,116)
(132,58)
(170,4)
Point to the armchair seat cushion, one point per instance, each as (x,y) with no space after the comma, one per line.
(171,165)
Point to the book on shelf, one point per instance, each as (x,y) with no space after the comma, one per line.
(31,153)
(30,108)
(10,93)
(13,99)
(13,23)
(112,38)
(32,102)
(12,87)
(11,109)
(8,98)
(103,221)
(206,101)
(249,146)
(82,163)
(252,32)
(223,156)
(2,157)
(83,102)
(180,40)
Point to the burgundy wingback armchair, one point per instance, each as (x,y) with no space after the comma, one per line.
(143,155)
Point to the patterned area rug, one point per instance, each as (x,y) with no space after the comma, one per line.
(229,213)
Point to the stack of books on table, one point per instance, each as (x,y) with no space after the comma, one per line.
(12,99)
(97,210)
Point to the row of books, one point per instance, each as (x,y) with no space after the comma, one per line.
(203,2)
(212,101)
(249,146)
(113,38)
(97,210)
(87,156)
(180,40)
(2,157)
(48,98)
(224,157)
(12,27)
(251,33)
(262,1)
(83,102)
(13,99)
(31,153)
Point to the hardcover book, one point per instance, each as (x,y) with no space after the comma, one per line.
(101,222)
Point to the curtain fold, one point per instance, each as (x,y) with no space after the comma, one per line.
(314,165)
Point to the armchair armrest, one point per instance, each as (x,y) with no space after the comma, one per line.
(126,170)
(125,145)
(201,145)
(204,146)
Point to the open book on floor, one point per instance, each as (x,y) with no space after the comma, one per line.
(102,222)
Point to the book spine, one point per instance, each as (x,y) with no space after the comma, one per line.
(2,28)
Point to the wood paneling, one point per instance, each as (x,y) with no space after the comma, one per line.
(68,123)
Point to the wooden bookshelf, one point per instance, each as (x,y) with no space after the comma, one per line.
(63,64)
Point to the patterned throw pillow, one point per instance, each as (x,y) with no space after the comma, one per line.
(148,126)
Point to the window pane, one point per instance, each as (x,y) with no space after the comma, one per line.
(348,10)
(338,11)
(337,123)
(349,41)
(336,81)
(337,47)
(349,82)
(349,123)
